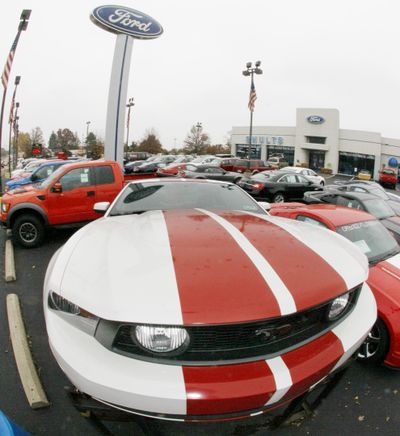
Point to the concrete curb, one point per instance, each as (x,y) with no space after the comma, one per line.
(10,274)
(27,372)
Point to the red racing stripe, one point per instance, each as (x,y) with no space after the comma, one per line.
(310,363)
(309,278)
(227,388)
(217,282)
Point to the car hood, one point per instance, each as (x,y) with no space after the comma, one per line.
(18,182)
(28,190)
(203,267)
(384,278)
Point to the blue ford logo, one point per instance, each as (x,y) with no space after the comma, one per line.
(315,119)
(120,19)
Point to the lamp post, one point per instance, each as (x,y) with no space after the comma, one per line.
(250,71)
(128,120)
(23,24)
(16,133)
(198,130)
(11,120)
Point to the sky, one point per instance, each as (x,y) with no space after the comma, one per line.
(342,54)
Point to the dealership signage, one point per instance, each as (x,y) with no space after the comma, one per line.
(315,119)
(123,20)
(267,140)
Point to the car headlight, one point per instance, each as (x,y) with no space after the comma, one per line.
(338,306)
(5,207)
(72,313)
(160,339)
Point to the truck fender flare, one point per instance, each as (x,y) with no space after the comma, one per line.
(28,207)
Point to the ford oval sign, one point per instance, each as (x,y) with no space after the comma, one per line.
(315,119)
(120,19)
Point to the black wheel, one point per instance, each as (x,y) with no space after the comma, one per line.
(376,345)
(28,231)
(322,184)
(278,198)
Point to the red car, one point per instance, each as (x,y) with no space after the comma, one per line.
(388,176)
(382,250)
(171,170)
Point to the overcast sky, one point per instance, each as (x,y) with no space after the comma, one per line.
(342,54)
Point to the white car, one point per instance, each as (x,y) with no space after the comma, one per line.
(187,301)
(310,174)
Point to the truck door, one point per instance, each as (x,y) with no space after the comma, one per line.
(75,202)
(107,187)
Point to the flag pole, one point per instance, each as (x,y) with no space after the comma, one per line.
(23,24)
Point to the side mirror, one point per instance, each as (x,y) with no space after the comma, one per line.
(265,205)
(101,207)
(34,177)
(57,187)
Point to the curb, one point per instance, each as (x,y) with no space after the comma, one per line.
(10,274)
(27,372)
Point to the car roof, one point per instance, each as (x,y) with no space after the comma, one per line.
(336,215)
(352,194)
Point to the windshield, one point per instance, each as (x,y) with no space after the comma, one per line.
(378,208)
(141,197)
(379,193)
(374,240)
(51,178)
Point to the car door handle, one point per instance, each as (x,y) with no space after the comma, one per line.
(90,193)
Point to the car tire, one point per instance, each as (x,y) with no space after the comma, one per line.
(322,183)
(376,345)
(28,231)
(278,198)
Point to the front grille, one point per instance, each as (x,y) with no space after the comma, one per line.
(230,343)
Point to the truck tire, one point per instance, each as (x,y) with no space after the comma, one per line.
(28,231)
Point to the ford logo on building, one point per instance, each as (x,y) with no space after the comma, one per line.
(120,19)
(315,119)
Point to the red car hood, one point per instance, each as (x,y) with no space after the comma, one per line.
(203,267)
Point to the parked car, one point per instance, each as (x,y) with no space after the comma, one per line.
(370,188)
(172,169)
(37,176)
(388,177)
(227,163)
(307,172)
(382,250)
(359,200)
(28,169)
(277,162)
(128,167)
(253,166)
(148,167)
(278,186)
(364,175)
(65,198)
(188,302)
(212,172)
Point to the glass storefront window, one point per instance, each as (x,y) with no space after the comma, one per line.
(242,150)
(352,163)
(288,152)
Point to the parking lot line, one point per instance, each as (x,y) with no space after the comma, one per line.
(30,380)
(10,274)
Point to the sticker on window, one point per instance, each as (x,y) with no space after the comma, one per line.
(84,178)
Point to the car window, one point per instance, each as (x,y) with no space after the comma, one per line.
(379,208)
(212,170)
(76,178)
(357,189)
(349,202)
(308,219)
(301,179)
(191,167)
(104,175)
(288,178)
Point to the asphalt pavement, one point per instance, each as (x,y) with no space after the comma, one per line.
(367,400)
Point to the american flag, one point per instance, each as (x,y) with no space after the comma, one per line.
(252,96)
(7,66)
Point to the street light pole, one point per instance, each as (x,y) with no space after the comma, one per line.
(198,127)
(250,71)
(23,24)
(128,120)
(16,133)
(11,121)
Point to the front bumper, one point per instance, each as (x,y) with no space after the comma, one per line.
(205,393)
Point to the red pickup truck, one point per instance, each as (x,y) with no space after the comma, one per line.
(66,198)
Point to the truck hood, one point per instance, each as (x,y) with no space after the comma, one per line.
(203,267)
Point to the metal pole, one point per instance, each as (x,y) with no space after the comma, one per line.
(1,142)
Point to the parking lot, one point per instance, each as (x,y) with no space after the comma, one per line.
(366,400)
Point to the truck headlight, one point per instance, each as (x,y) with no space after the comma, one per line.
(160,339)
(338,306)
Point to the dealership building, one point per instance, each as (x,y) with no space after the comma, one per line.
(317,141)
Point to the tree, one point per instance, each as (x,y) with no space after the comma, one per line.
(25,144)
(53,141)
(150,143)
(37,136)
(66,140)
(94,146)
(196,140)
